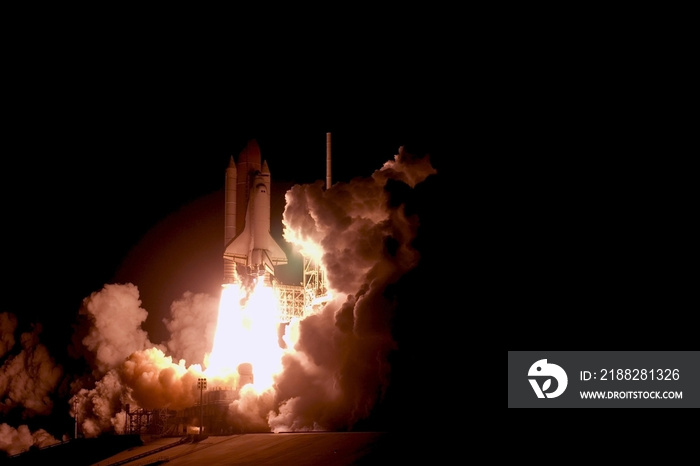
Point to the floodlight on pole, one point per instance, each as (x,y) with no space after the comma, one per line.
(202,385)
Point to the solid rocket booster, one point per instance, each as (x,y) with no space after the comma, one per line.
(248,246)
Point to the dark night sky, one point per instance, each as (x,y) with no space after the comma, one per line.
(561,133)
(96,162)
(115,185)
(567,227)
(101,151)
(114,168)
(101,193)
(117,145)
(111,136)
(82,197)
(115,161)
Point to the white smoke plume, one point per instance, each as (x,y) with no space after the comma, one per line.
(28,378)
(336,370)
(97,410)
(142,376)
(115,315)
(340,367)
(192,326)
(14,441)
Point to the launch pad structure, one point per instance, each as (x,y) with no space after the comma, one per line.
(250,250)
(298,301)
(211,413)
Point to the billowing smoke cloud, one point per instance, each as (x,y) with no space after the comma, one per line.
(336,371)
(192,326)
(137,372)
(28,377)
(341,367)
(114,331)
(14,441)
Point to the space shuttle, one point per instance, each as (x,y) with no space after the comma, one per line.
(249,249)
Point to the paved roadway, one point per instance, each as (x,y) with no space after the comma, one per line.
(288,449)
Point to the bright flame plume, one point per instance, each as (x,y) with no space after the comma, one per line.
(247,332)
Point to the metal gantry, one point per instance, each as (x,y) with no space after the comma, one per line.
(315,289)
(291,301)
(298,301)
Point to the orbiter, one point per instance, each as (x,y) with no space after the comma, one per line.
(248,246)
